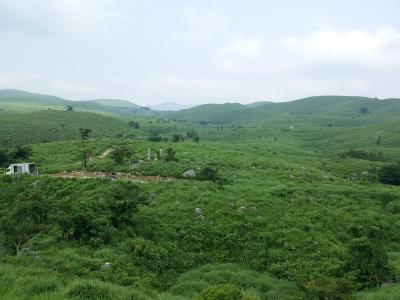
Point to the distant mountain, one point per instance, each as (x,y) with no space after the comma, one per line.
(21,101)
(170,106)
(319,108)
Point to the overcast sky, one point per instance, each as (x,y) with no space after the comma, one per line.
(200,51)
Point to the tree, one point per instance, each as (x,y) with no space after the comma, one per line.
(390,174)
(120,153)
(364,111)
(85,133)
(176,138)
(194,135)
(84,156)
(170,155)
(134,125)
(26,217)
(70,108)
(23,152)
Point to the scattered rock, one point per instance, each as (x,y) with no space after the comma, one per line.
(189,174)
(107,265)
(198,210)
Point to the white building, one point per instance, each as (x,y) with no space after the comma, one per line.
(25,168)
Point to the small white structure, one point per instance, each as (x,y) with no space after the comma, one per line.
(25,168)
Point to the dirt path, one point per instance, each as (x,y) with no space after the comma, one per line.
(111,176)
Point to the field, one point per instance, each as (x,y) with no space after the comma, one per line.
(289,207)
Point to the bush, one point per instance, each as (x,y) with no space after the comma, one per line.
(361,154)
(390,174)
(208,173)
(221,292)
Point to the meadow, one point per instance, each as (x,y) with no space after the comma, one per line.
(291,209)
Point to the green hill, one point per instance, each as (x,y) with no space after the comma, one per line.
(312,109)
(50,125)
(21,101)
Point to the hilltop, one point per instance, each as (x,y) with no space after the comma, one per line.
(310,109)
(21,101)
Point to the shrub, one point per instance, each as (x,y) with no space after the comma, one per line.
(361,154)
(221,292)
(120,153)
(390,174)
(208,173)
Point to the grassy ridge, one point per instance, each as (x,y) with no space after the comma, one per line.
(50,125)
(308,109)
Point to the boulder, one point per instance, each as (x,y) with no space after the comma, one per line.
(189,174)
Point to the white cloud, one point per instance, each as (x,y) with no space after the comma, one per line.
(355,43)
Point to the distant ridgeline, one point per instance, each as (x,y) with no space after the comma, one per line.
(20,101)
(313,109)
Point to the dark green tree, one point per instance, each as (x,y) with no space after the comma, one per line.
(120,153)
(176,138)
(85,133)
(26,217)
(84,156)
(170,155)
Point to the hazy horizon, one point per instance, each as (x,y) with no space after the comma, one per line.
(192,52)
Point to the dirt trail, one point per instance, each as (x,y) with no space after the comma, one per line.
(111,176)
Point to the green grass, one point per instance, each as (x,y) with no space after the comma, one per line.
(281,224)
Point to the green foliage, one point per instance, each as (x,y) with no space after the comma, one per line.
(170,155)
(120,153)
(221,292)
(390,174)
(364,111)
(368,259)
(15,154)
(84,156)
(362,154)
(134,124)
(208,173)
(194,135)
(85,133)
(176,138)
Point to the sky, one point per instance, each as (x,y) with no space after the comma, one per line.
(208,51)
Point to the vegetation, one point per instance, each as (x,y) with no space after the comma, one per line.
(285,208)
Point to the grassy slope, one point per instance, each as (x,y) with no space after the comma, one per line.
(334,108)
(53,125)
(288,204)
(21,101)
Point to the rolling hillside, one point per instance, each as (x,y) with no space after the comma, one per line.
(309,109)
(52,125)
(21,101)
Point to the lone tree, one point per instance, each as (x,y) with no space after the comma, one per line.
(85,133)
(120,153)
(134,125)
(70,108)
(170,155)
(84,156)
(364,111)
(176,138)
(194,135)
